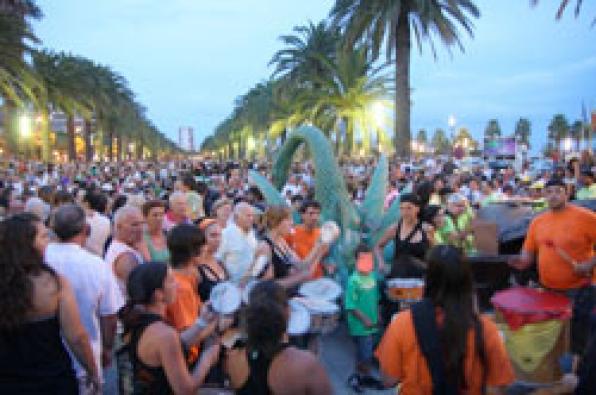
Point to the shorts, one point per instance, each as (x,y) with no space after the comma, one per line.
(364,348)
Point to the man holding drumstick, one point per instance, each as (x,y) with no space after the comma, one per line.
(561,241)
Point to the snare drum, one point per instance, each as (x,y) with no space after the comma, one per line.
(405,290)
(324,315)
(300,319)
(535,326)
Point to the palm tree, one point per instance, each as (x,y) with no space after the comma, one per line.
(564,5)
(464,139)
(347,92)
(492,130)
(576,132)
(440,142)
(558,129)
(17,82)
(523,130)
(392,22)
(301,57)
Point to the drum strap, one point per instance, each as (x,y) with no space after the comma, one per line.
(427,334)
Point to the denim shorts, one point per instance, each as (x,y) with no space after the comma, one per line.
(364,348)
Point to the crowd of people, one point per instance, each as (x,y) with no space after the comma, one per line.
(109,266)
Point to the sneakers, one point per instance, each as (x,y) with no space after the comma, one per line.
(354,382)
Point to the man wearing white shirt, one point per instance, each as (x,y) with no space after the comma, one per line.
(94,284)
(238,242)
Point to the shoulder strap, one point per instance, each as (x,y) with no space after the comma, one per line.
(427,334)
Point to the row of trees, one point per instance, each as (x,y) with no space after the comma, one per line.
(325,75)
(35,83)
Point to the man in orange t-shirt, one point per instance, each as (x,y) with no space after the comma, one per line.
(304,236)
(561,241)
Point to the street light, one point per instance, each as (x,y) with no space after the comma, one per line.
(25,125)
(451,122)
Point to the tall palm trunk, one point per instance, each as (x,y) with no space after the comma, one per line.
(88,145)
(70,134)
(349,137)
(10,126)
(45,136)
(402,81)
(119,144)
(111,145)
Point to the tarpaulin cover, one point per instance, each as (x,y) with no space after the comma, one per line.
(520,306)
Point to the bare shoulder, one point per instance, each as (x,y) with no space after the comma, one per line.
(46,292)
(299,359)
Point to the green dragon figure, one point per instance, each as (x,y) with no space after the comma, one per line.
(365,223)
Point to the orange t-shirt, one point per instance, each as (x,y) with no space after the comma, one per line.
(400,357)
(302,242)
(184,311)
(574,231)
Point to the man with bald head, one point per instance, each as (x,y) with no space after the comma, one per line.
(122,254)
(238,242)
(177,211)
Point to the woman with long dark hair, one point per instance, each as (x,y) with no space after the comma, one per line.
(37,306)
(269,365)
(442,342)
(156,348)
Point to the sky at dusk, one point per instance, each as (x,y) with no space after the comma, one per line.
(187,60)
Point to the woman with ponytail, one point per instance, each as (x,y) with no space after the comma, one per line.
(157,350)
(37,310)
(442,345)
(269,365)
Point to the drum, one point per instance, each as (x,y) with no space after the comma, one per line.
(324,315)
(299,321)
(535,326)
(405,290)
(225,298)
(322,288)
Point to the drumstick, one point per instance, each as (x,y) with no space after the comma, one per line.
(561,252)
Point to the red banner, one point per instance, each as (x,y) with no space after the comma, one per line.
(594,121)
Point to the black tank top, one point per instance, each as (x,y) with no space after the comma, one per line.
(33,360)
(406,249)
(281,261)
(257,382)
(148,380)
(207,283)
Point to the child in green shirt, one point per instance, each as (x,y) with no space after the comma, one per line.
(362,308)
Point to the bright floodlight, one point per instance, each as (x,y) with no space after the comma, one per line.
(378,113)
(25,125)
(567,144)
(451,121)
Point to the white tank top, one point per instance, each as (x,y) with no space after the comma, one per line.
(116,249)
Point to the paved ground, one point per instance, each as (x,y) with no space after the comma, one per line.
(337,354)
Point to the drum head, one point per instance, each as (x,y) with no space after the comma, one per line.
(329,232)
(323,288)
(319,306)
(299,321)
(225,298)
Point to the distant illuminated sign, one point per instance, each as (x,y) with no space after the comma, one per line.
(501,146)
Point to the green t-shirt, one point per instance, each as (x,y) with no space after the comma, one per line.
(442,234)
(586,192)
(362,294)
